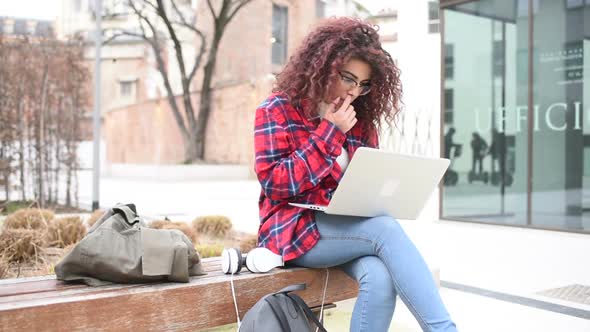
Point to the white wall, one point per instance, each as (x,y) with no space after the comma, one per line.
(417,54)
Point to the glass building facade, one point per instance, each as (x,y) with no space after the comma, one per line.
(516,112)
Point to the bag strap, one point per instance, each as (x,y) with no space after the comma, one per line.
(292,288)
(128,212)
(275,306)
(310,315)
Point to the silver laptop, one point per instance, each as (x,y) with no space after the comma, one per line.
(379,182)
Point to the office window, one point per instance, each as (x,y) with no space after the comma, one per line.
(498,58)
(537,176)
(522,8)
(449,61)
(127,88)
(20,27)
(449,106)
(8,28)
(570,4)
(433,20)
(279,34)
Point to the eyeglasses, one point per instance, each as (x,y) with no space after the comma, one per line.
(351,83)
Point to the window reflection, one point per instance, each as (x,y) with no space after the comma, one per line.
(488,119)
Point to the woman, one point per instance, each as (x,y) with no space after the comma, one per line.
(329,100)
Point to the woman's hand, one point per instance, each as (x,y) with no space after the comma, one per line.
(344,117)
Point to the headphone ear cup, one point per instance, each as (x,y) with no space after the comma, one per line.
(250,265)
(225,261)
(262,260)
(239,259)
(231,261)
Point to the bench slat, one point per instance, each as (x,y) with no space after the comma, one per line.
(82,289)
(12,287)
(34,287)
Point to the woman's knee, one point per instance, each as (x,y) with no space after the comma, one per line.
(372,276)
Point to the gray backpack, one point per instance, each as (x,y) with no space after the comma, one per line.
(282,311)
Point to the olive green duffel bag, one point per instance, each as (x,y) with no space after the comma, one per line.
(120,248)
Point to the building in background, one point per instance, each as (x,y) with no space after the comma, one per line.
(329,8)
(11,27)
(387,20)
(250,54)
(516,78)
(126,77)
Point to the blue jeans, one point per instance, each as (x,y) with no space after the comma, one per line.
(380,256)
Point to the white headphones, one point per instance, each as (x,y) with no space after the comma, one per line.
(258,260)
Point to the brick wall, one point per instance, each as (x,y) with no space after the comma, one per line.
(148,133)
(142,133)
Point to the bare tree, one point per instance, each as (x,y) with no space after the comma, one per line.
(21,73)
(160,21)
(7,116)
(76,100)
(42,95)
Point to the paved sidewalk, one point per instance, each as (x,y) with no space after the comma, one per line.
(491,276)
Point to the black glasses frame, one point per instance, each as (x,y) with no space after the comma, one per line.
(365,87)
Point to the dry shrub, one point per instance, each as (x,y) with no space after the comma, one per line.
(209,250)
(158,224)
(217,226)
(65,231)
(49,269)
(3,268)
(249,243)
(21,245)
(44,264)
(181,226)
(94,217)
(29,219)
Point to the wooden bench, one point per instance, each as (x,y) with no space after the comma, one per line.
(47,304)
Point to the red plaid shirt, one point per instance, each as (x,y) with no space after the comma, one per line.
(296,162)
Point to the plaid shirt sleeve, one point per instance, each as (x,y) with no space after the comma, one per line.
(283,169)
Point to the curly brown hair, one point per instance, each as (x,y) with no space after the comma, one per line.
(313,69)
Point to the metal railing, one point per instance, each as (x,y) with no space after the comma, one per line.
(413,132)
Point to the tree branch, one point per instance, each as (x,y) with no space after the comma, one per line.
(241,4)
(121,33)
(177,45)
(182,18)
(222,20)
(184,23)
(142,17)
(161,65)
(197,63)
(188,107)
(154,6)
(211,9)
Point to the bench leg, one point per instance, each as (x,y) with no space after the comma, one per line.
(317,310)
